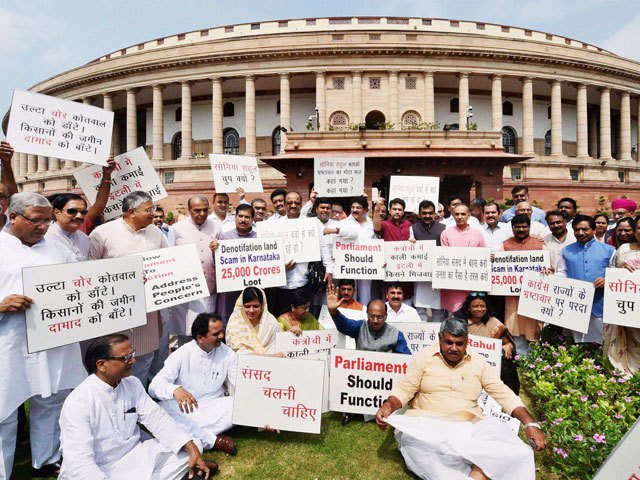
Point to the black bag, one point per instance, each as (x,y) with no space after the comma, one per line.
(315,277)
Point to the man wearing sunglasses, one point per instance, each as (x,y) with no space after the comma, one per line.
(70,211)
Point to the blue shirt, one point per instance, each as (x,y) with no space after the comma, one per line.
(588,262)
(351,328)
(537,215)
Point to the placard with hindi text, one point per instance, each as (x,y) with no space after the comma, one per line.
(621,295)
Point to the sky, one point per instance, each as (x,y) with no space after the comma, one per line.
(39,39)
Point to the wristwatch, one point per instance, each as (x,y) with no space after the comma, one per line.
(532,424)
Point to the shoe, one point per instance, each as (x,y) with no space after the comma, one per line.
(49,470)
(224,443)
(346,419)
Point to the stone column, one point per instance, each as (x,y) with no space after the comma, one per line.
(582,147)
(187,140)
(356,97)
(132,126)
(556,118)
(24,169)
(321,104)
(394,115)
(54,164)
(463,99)
(285,109)
(42,164)
(216,115)
(429,98)
(625,127)
(32,163)
(107,104)
(527,116)
(496,103)
(593,135)
(605,124)
(158,124)
(250,115)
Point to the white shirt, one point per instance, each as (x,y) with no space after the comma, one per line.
(406,313)
(493,238)
(77,242)
(200,373)
(97,431)
(306,208)
(326,244)
(351,229)
(554,246)
(29,374)
(275,216)
(228,223)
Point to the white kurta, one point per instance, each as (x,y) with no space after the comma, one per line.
(204,376)
(77,242)
(406,313)
(101,438)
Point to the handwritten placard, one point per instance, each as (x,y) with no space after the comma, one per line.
(621,290)
(308,342)
(561,301)
(361,260)
(284,393)
(53,127)
(461,268)
(231,172)
(491,408)
(338,176)
(418,335)
(133,172)
(413,190)
(507,269)
(408,261)
(84,300)
(299,237)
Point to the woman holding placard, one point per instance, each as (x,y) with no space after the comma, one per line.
(299,318)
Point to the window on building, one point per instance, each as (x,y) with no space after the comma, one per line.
(516,173)
(278,107)
(374,36)
(547,143)
(338,83)
(176,145)
(410,119)
(507,108)
(231,141)
(228,109)
(168,177)
(178,116)
(549,112)
(574,173)
(374,83)
(339,120)
(509,139)
(276,141)
(454,105)
(621,175)
(410,83)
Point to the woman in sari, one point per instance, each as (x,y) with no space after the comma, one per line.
(602,225)
(298,318)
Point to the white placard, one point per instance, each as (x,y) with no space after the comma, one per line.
(173,276)
(491,408)
(488,348)
(561,301)
(418,335)
(324,318)
(361,380)
(231,172)
(413,190)
(620,289)
(507,269)
(246,262)
(461,268)
(53,127)
(408,261)
(284,393)
(83,300)
(324,358)
(362,260)
(133,172)
(300,237)
(338,176)
(308,343)
(622,462)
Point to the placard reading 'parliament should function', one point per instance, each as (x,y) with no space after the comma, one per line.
(408,261)
(84,300)
(508,268)
(231,172)
(413,190)
(361,260)
(133,172)
(338,176)
(561,301)
(53,127)
(621,290)
(461,268)
(283,393)
(246,262)
(309,342)
(299,237)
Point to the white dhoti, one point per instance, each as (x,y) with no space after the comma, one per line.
(436,449)
(212,417)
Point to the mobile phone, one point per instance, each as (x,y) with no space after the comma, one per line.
(533,444)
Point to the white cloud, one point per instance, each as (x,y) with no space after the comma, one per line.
(624,41)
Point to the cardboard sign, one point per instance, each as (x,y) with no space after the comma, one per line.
(491,408)
(300,237)
(418,335)
(507,269)
(620,290)
(461,268)
(565,302)
(231,172)
(308,343)
(413,190)
(284,393)
(362,260)
(360,380)
(324,358)
(408,261)
(246,262)
(338,176)
(622,462)
(84,300)
(133,172)
(173,276)
(53,127)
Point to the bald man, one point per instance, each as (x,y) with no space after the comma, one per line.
(538,230)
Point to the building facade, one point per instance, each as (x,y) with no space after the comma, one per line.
(554,113)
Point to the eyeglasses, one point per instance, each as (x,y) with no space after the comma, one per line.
(150,209)
(74,211)
(125,358)
(478,294)
(373,316)
(37,221)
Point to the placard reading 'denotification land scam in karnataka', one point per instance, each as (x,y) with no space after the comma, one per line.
(338,176)
(461,268)
(52,127)
(308,342)
(507,269)
(414,189)
(247,262)
(361,260)
(622,462)
(83,300)
(621,289)
(561,301)
(231,172)
(299,237)
(173,276)
(283,393)
(361,380)
(133,172)
(408,261)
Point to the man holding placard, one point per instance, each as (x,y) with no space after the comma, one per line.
(221,214)
(559,237)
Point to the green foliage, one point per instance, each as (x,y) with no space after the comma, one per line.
(169,217)
(422,126)
(602,206)
(385,125)
(473,126)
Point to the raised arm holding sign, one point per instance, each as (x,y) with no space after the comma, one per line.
(231,172)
